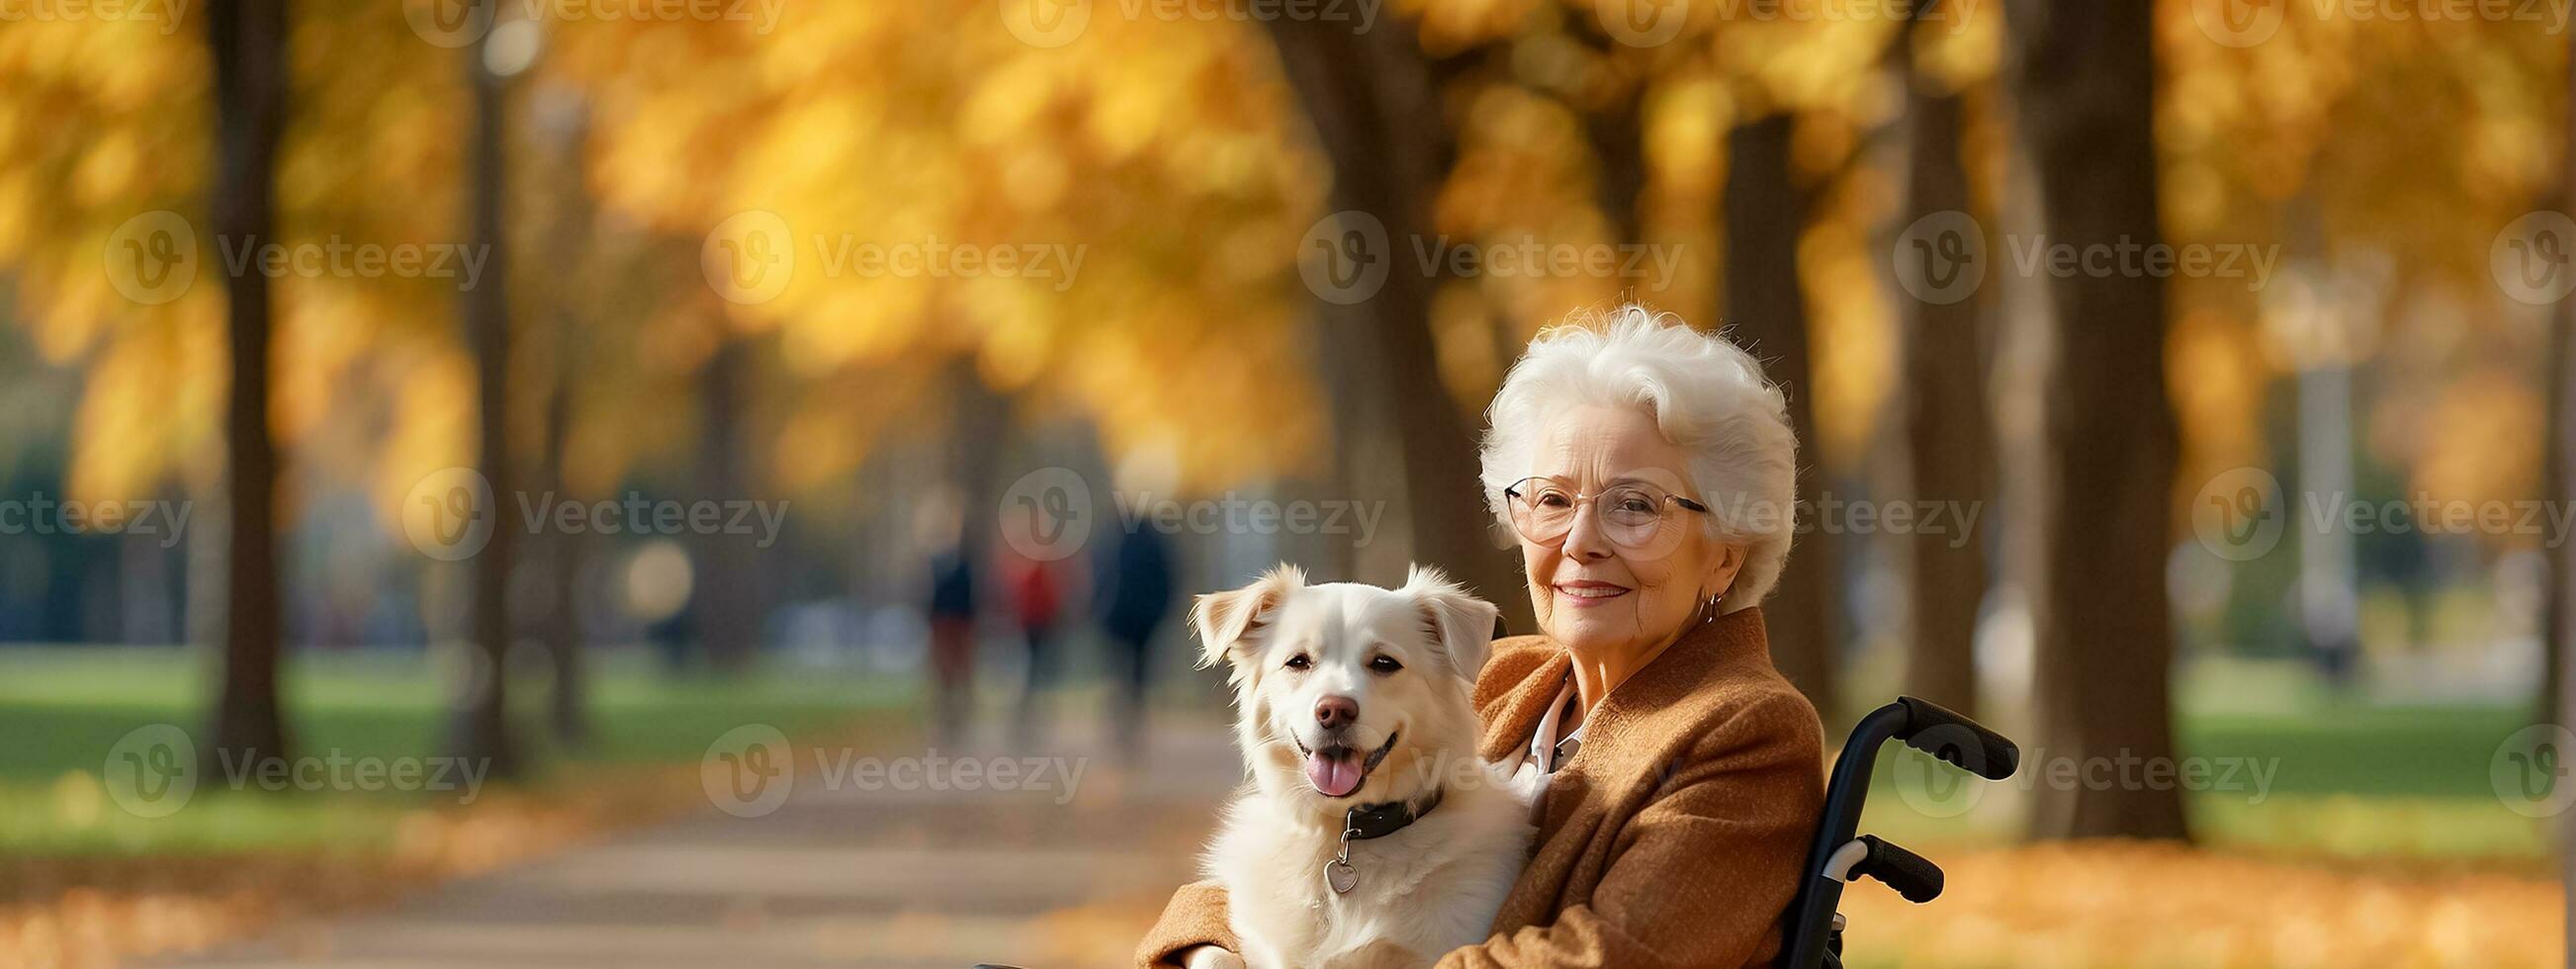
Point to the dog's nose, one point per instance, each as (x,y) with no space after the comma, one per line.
(1337,711)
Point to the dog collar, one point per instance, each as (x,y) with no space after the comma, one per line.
(1371,821)
(1379,820)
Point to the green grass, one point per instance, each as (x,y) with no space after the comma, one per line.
(63,710)
(2327,778)
(2353,749)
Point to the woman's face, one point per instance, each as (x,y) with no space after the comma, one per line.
(1595,595)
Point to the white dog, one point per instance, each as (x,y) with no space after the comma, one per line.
(1370,834)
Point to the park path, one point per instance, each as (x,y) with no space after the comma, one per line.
(836,876)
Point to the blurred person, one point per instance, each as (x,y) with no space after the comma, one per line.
(1135,597)
(1649,470)
(1037,599)
(952,641)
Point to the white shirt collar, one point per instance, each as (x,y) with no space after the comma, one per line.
(1545,740)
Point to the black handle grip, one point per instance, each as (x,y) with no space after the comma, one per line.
(1963,743)
(1912,875)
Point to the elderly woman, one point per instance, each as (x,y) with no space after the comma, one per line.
(1648,469)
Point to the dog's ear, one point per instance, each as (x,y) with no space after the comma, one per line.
(1224,619)
(1462,624)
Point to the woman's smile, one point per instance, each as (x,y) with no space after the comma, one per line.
(1585,593)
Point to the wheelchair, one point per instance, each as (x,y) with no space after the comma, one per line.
(1840,855)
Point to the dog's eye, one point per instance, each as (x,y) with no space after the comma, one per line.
(1385,664)
(1299,662)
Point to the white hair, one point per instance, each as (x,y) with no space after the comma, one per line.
(1706,395)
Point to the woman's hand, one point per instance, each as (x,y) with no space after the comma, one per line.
(1211,957)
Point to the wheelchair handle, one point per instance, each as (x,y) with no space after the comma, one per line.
(1912,875)
(1957,740)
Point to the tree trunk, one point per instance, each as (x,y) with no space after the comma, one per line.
(727,588)
(566,122)
(2558,477)
(1619,177)
(979,420)
(482,730)
(568,708)
(2086,87)
(2558,485)
(248,39)
(2560,638)
(1367,446)
(1767,311)
(1951,450)
(568,705)
(2558,472)
(1375,102)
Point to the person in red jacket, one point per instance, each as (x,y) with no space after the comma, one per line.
(1037,602)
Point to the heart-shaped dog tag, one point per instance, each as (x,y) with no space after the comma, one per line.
(1340,876)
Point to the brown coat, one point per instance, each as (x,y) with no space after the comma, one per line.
(1675,835)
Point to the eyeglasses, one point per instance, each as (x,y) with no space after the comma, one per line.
(1633,515)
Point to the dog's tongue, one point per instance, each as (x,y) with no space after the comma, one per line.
(1335,776)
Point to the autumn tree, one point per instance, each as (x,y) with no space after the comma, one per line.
(1375,101)
(206,378)
(248,39)
(482,730)
(565,300)
(2084,82)
(1100,148)
(1766,311)
(1949,443)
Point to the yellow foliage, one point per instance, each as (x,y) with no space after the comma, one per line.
(1166,169)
